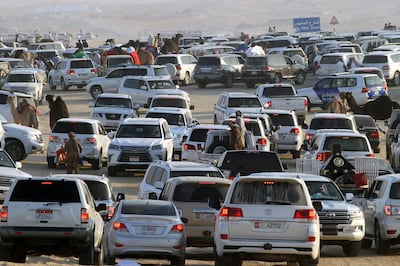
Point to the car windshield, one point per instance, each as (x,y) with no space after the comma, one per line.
(196,173)
(274,192)
(99,190)
(323,191)
(244,102)
(147,209)
(139,131)
(172,119)
(5,160)
(114,102)
(19,64)
(21,78)
(169,102)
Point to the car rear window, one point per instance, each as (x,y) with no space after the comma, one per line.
(329,59)
(373,81)
(277,91)
(282,119)
(46,191)
(268,191)
(248,162)
(161,71)
(328,123)
(77,127)
(346,143)
(197,173)
(244,102)
(256,61)
(200,192)
(99,190)
(134,72)
(395,191)
(209,61)
(165,60)
(199,135)
(146,209)
(254,127)
(82,64)
(375,59)
(365,121)
(21,78)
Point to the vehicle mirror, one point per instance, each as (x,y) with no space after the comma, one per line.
(304,146)
(304,126)
(153,195)
(191,107)
(110,134)
(177,86)
(159,185)
(214,203)
(184,220)
(318,205)
(91,104)
(349,196)
(386,123)
(18,165)
(120,196)
(285,166)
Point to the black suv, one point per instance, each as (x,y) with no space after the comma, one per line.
(271,68)
(222,68)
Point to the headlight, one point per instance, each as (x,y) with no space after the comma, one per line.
(356,213)
(113,147)
(157,147)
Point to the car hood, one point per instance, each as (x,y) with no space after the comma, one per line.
(171,92)
(178,129)
(144,142)
(21,129)
(12,172)
(112,110)
(304,91)
(336,205)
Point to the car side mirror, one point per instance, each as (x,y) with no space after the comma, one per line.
(177,86)
(349,196)
(304,146)
(318,205)
(214,203)
(184,220)
(153,196)
(18,165)
(304,126)
(120,196)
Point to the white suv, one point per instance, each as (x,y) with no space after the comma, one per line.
(138,142)
(267,217)
(184,63)
(389,62)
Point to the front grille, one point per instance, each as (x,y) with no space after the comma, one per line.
(5,181)
(334,217)
(135,154)
(113,116)
(134,149)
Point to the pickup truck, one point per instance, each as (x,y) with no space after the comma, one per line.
(283,96)
(113,61)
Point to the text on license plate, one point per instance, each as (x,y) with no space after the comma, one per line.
(149,230)
(134,158)
(267,225)
(44,214)
(204,215)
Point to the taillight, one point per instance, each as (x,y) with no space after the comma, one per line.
(295,130)
(267,68)
(365,90)
(93,70)
(110,211)
(177,228)
(268,104)
(120,227)
(189,147)
(391,210)
(374,134)
(54,138)
(84,216)
(230,212)
(70,72)
(370,155)
(386,67)
(178,67)
(91,140)
(262,141)
(305,214)
(323,156)
(4,214)
(305,102)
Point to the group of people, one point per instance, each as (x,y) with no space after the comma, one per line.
(341,66)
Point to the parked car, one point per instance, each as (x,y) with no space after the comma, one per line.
(143,229)
(89,132)
(389,62)
(184,63)
(171,100)
(72,72)
(328,63)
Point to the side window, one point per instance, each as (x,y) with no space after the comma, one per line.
(88,197)
(102,131)
(375,190)
(324,84)
(166,191)
(351,82)
(158,172)
(115,74)
(150,175)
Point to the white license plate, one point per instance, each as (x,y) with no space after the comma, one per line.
(204,216)
(254,72)
(149,230)
(44,214)
(267,225)
(134,158)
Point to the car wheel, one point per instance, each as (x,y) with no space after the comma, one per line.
(111,171)
(308,262)
(178,261)
(366,243)
(64,86)
(99,255)
(381,246)
(15,149)
(228,81)
(250,84)
(222,260)
(50,162)
(300,77)
(5,252)
(87,252)
(186,79)
(96,164)
(396,79)
(51,84)
(352,249)
(95,91)
(296,154)
(18,255)
(201,84)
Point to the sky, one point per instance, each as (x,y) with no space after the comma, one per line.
(133,19)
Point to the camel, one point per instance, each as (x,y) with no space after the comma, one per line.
(337,105)
(379,109)
(24,113)
(171,45)
(145,57)
(58,109)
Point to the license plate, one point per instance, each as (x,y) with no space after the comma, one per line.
(83,75)
(204,216)
(149,230)
(267,225)
(134,159)
(254,72)
(44,214)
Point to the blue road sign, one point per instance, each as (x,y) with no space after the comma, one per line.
(306,24)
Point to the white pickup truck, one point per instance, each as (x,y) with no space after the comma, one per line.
(283,96)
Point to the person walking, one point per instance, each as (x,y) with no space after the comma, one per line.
(242,126)
(73,148)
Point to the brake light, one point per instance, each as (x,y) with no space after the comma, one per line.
(91,140)
(262,141)
(306,102)
(177,228)
(4,214)
(365,90)
(84,216)
(120,227)
(374,134)
(386,67)
(188,147)
(178,67)
(370,155)
(110,212)
(54,138)
(305,214)
(268,104)
(267,68)
(323,156)
(70,72)
(230,212)
(93,70)
(295,130)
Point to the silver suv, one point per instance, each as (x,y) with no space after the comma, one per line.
(267,217)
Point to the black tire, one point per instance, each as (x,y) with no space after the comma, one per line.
(87,253)
(228,82)
(15,149)
(51,84)
(300,77)
(250,84)
(111,171)
(178,261)
(50,163)
(366,243)
(96,164)
(201,84)
(352,249)
(18,255)
(381,246)
(308,261)
(64,86)
(396,79)
(186,79)
(108,259)
(222,260)
(5,252)
(99,255)
(296,154)
(95,90)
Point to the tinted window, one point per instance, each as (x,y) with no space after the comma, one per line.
(21,78)
(251,162)
(327,123)
(120,61)
(196,173)
(77,127)
(172,119)
(209,61)
(373,81)
(117,102)
(282,119)
(264,192)
(323,191)
(375,59)
(199,135)
(146,209)
(244,102)
(45,191)
(365,121)
(165,60)
(161,71)
(139,131)
(134,72)
(346,143)
(81,64)
(198,192)
(168,102)
(329,59)
(99,190)
(277,91)
(253,127)
(259,60)
(395,191)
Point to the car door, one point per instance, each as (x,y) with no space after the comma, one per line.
(220,109)
(370,207)
(58,72)
(103,138)
(168,143)
(325,90)
(112,80)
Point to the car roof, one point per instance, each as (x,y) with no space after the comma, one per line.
(100,178)
(171,110)
(114,95)
(339,132)
(23,71)
(147,202)
(195,179)
(186,165)
(239,94)
(148,78)
(331,115)
(142,121)
(303,176)
(276,85)
(169,96)
(209,126)
(75,119)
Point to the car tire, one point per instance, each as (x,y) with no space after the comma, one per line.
(64,86)
(308,261)
(201,84)
(352,249)
(51,84)
(296,154)
(99,255)
(15,149)
(111,171)
(228,82)
(18,255)
(300,77)
(186,79)
(178,261)
(5,252)
(95,91)
(50,163)
(381,246)
(366,243)
(96,163)
(87,252)
(250,85)
(222,260)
